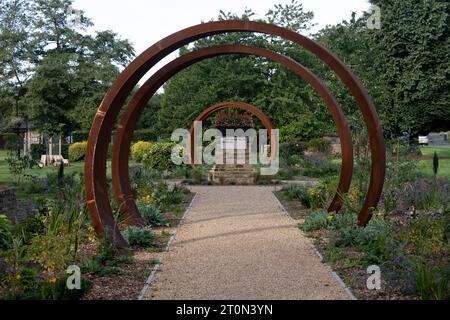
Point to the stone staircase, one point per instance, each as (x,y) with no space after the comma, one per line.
(238,172)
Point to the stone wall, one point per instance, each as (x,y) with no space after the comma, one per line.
(8,202)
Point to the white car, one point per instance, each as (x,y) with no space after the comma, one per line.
(424,140)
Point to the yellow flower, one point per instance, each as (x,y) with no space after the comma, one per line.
(52,280)
(49,269)
(330,218)
(18,277)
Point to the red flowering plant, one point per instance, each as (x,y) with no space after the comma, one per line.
(234,121)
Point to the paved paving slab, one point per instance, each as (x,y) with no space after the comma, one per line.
(237,243)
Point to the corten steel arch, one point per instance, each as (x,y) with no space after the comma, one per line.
(234,105)
(121,182)
(96,156)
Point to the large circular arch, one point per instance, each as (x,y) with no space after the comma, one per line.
(96,156)
(121,182)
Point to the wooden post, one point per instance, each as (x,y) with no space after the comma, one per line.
(60,145)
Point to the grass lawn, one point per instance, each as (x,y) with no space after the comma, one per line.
(444,161)
(443,152)
(7,179)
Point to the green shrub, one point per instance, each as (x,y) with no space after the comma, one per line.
(304,129)
(50,251)
(292,151)
(287,173)
(316,220)
(5,233)
(425,236)
(159,156)
(138,236)
(153,216)
(18,165)
(313,197)
(344,230)
(32,287)
(294,192)
(139,149)
(431,281)
(376,240)
(12,141)
(320,145)
(77,151)
(318,166)
(316,197)
(30,227)
(37,150)
(198,176)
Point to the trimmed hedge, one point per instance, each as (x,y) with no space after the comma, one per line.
(159,156)
(77,151)
(139,149)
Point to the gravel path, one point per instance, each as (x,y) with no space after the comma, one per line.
(237,243)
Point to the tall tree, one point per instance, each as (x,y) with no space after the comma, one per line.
(415,63)
(16,54)
(277,91)
(73,70)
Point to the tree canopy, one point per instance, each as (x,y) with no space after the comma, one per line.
(55,69)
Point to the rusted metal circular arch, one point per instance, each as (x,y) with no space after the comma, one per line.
(99,138)
(121,182)
(237,105)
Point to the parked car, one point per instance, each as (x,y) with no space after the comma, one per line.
(424,140)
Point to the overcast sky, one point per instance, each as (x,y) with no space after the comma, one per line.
(145,22)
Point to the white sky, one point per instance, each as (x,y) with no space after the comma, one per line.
(145,22)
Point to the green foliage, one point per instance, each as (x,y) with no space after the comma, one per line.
(294,192)
(318,166)
(316,220)
(305,129)
(427,194)
(5,233)
(28,285)
(425,236)
(77,151)
(291,151)
(431,281)
(345,230)
(376,240)
(37,150)
(106,259)
(138,236)
(159,156)
(198,176)
(30,227)
(398,174)
(139,149)
(320,145)
(50,252)
(153,216)
(18,165)
(414,66)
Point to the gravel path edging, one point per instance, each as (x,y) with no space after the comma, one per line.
(155,269)
(335,275)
